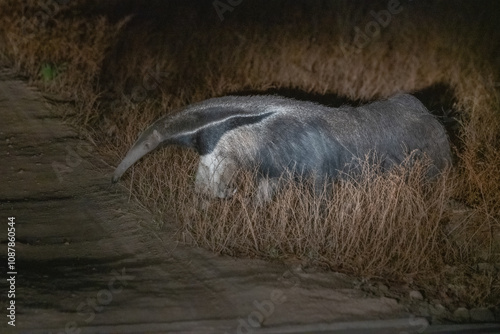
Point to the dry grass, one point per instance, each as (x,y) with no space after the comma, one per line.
(393,225)
(373,224)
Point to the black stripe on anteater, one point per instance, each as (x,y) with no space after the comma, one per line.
(205,138)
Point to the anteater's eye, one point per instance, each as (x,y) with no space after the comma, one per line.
(146,146)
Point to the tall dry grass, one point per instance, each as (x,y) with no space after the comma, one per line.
(98,57)
(372,224)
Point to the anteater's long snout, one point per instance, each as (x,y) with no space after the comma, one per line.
(115,178)
(121,169)
(131,158)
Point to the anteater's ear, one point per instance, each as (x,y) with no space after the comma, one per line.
(157,135)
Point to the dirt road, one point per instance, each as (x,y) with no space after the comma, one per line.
(88,260)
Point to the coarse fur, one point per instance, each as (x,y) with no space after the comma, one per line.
(277,135)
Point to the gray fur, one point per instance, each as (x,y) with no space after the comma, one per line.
(276,135)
